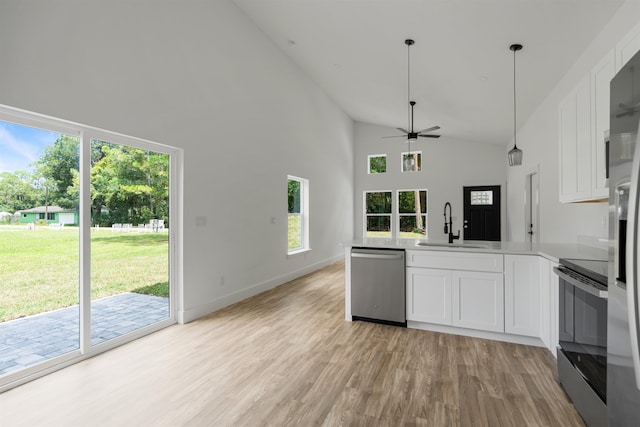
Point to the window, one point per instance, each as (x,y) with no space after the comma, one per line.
(377,214)
(49,215)
(482,197)
(377,163)
(417,161)
(412,214)
(298,220)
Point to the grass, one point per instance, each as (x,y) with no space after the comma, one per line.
(294,231)
(39,269)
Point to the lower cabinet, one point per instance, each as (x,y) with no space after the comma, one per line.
(429,295)
(478,300)
(469,299)
(487,292)
(522,288)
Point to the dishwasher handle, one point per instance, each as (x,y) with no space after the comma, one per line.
(375,256)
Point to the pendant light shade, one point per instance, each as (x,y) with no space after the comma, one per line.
(515,154)
(409,163)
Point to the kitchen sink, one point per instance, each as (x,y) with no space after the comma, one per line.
(453,245)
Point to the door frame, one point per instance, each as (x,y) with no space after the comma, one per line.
(532,205)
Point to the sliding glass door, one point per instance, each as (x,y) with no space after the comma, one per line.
(39,245)
(129,239)
(87,225)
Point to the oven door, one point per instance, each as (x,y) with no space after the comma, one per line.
(583,328)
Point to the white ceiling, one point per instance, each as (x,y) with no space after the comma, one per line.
(461,65)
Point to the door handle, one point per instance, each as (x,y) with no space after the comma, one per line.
(632,262)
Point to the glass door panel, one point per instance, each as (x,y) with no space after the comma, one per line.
(39,246)
(129,239)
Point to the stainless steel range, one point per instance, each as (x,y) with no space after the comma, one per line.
(582,351)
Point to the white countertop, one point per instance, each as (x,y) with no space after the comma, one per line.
(551,251)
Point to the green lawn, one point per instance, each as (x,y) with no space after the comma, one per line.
(39,269)
(294,231)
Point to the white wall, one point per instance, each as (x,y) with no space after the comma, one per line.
(200,76)
(447,166)
(538,138)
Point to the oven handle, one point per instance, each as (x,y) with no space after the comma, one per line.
(632,262)
(578,284)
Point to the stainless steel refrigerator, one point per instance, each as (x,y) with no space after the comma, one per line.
(623,327)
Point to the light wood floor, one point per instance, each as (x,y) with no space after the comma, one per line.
(287,357)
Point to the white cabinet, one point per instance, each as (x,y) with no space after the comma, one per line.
(549,305)
(429,295)
(583,120)
(522,290)
(627,47)
(465,289)
(478,300)
(472,261)
(575,144)
(601,76)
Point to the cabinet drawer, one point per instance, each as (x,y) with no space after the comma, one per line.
(468,261)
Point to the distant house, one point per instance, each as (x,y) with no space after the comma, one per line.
(50,214)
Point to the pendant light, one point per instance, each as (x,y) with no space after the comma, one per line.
(515,154)
(409,161)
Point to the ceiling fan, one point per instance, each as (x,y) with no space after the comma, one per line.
(410,134)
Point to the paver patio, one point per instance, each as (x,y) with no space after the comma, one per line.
(33,339)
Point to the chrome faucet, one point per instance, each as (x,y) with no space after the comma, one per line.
(448,227)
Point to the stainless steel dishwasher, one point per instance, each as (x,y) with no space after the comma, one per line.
(377,285)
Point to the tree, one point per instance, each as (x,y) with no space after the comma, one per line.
(17,191)
(57,166)
(133,184)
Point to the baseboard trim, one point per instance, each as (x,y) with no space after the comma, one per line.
(191,314)
(496,336)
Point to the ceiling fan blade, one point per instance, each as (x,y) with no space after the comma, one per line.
(429,136)
(431,129)
(402,130)
(394,136)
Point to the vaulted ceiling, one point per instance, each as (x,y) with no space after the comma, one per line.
(461,65)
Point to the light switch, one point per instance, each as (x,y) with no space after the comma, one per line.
(201,221)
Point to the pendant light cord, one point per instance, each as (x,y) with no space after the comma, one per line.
(409,123)
(514,98)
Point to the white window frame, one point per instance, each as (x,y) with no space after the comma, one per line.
(371,156)
(304,216)
(402,160)
(398,214)
(365,215)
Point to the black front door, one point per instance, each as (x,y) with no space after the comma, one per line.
(482,213)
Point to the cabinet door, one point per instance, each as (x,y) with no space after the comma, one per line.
(627,47)
(601,76)
(575,144)
(522,295)
(478,300)
(429,295)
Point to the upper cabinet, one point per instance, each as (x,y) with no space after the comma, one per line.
(627,47)
(601,76)
(575,144)
(583,123)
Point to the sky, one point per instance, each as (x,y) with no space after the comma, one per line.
(21,145)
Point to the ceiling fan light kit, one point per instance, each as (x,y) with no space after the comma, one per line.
(515,154)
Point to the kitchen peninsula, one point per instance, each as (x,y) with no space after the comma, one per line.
(504,291)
